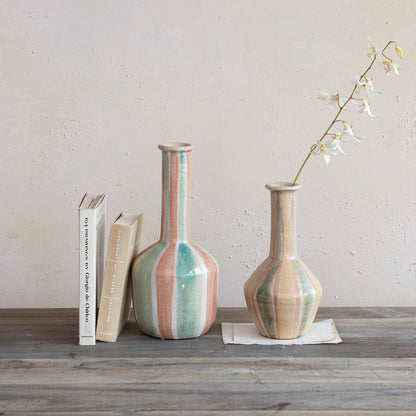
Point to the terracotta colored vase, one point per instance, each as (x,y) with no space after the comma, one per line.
(282,294)
(175,281)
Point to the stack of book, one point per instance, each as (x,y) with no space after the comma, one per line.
(107,287)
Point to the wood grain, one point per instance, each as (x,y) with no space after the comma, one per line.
(44,371)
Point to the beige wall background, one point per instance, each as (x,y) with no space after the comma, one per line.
(89,88)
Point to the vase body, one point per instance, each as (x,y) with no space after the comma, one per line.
(174,281)
(282,294)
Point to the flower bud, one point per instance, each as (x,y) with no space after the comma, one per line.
(399,51)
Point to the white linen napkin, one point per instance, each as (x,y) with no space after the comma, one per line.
(323,332)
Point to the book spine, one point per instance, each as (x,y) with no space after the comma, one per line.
(115,281)
(100,243)
(87,276)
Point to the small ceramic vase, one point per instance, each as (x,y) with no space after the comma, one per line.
(174,281)
(283,295)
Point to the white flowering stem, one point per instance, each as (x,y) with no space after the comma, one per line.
(339,112)
(332,123)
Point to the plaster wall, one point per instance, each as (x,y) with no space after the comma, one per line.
(89,88)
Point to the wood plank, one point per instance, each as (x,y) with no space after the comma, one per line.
(349,349)
(219,370)
(241,412)
(209,396)
(56,339)
(359,349)
(237,314)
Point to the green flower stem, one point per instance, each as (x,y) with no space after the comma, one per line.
(300,170)
(336,117)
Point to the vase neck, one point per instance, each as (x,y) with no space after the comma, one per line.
(283,224)
(175,196)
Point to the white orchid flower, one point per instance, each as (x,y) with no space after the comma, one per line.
(347,129)
(375,52)
(332,100)
(365,107)
(390,66)
(331,148)
(334,145)
(322,149)
(365,85)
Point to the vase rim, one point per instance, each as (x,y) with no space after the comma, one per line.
(176,147)
(282,186)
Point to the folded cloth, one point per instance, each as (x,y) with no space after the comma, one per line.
(323,332)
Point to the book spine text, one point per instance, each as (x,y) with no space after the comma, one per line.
(87,275)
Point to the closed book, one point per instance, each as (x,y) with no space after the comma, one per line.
(115,304)
(91,262)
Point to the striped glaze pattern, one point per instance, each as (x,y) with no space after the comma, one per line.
(174,281)
(282,294)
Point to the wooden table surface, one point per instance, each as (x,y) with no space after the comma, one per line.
(44,371)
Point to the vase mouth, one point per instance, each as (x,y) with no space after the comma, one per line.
(176,147)
(282,186)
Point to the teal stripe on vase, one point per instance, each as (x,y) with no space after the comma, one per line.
(145,289)
(190,288)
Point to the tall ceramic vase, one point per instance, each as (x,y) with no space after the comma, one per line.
(175,281)
(282,294)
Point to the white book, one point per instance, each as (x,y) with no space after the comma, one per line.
(91,263)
